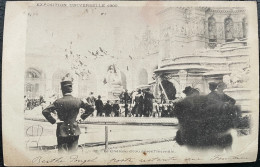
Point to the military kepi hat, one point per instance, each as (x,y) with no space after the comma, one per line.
(66,83)
(66,86)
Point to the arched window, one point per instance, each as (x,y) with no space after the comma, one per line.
(244,26)
(32,73)
(229,29)
(212,29)
(33,83)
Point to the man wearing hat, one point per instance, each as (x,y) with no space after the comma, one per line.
(188,91)
(99,106)
(139,103)
(148,102)
(213,95)
(68,117)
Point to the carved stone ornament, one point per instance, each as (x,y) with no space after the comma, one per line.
(240,78)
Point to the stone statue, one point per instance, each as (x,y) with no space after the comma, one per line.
(113,83)
(229,28)
(113,76)
(227,81)
(240,78)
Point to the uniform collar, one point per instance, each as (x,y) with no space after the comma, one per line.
(67,94)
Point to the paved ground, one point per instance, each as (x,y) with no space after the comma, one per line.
(94,135)
(125,134)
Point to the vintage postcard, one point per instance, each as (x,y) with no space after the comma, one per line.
(120,82)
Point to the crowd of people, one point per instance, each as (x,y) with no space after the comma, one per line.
(30,104)
(140,103)
(204,120)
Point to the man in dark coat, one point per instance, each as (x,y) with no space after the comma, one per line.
(203,125)
(126,96)
(222,96)
(213,96)
(126,99)
(99,106)
(148,102)
(108,109)
(116,108)
(139,103)
(69,115)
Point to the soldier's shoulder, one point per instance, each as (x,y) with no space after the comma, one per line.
(57,100)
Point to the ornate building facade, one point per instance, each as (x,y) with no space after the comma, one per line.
(190,47)
(200,45)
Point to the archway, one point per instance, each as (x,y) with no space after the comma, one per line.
(143,77)
(34,83)
(169,89)
(212,29)
(229,29)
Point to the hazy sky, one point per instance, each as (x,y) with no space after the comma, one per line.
(50,30)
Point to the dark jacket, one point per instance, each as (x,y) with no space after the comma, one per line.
(108,109)
(67,109)
(212,96)
(226,98)
(116,107)
(99,105)
(204,124)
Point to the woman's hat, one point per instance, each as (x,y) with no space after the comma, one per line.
(187,90)
(213,85)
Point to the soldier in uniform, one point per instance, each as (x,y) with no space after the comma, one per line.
(68,117)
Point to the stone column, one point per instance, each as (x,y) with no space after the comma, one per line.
(196,27)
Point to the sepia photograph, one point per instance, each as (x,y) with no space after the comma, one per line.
(128,83)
